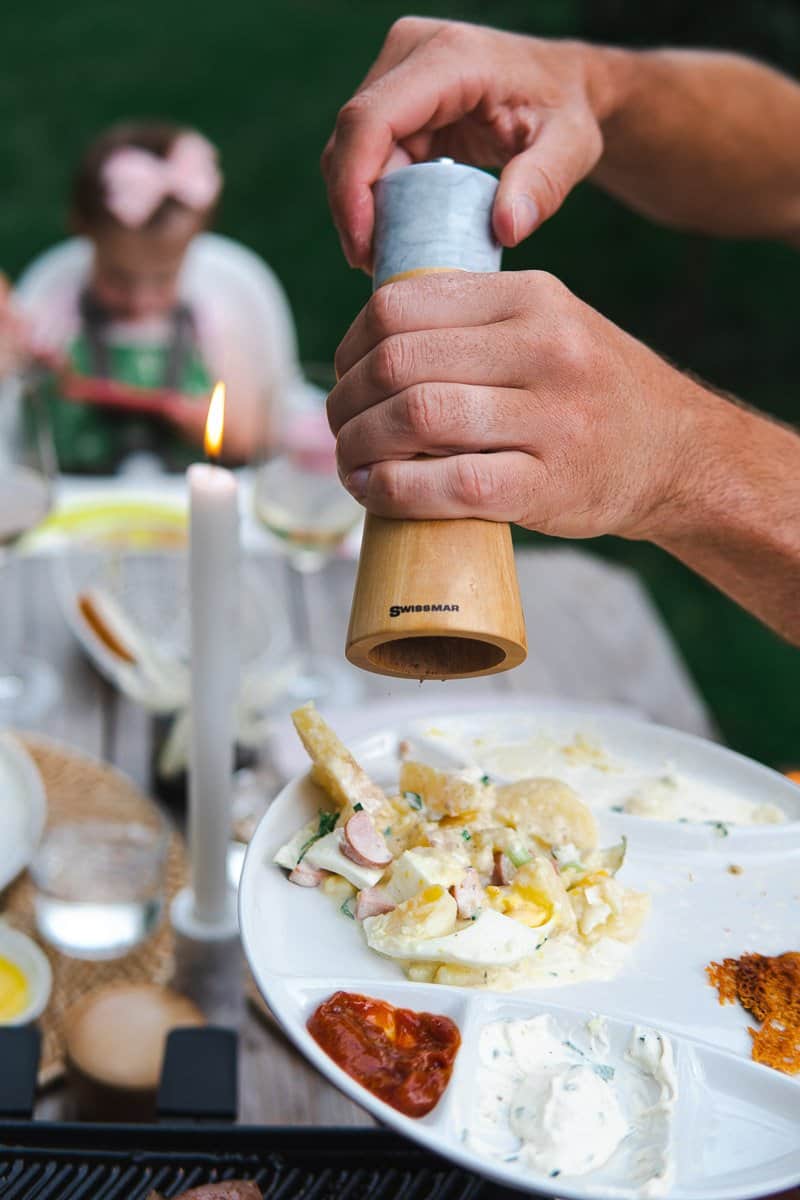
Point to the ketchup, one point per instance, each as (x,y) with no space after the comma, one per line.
(403,1057)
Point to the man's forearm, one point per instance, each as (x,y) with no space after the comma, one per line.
(701,140)
(736,520)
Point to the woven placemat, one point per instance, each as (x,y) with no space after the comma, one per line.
(82,787)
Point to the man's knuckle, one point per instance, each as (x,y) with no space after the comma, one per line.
(332,409)
(387,482)
(339,361)
(455,36)
(404,28)
(474,482)
(353,112)
(384,310)
(422,412)
(578,351)
(547,285)
(345,445)
(388,364)
(579,430)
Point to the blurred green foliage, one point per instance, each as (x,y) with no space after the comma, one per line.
(264,79)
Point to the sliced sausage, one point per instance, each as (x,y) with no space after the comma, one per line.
(363,843)
(503,869)
(373,902)
(304,875)
(468,895)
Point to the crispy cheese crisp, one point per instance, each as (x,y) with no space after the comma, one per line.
(769,989)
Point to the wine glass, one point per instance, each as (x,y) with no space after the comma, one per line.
(299,499)
(28,686)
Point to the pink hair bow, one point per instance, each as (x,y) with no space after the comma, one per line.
(137,182)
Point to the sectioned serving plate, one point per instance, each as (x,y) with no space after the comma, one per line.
(737,1124)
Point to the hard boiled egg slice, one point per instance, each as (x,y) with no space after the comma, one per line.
(491,940)
(327,855)
(288,854)
(423,867)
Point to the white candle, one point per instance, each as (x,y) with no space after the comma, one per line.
(214,600)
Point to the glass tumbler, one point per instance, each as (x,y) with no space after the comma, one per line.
(100,883)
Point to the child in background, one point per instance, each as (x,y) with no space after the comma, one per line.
(145,298)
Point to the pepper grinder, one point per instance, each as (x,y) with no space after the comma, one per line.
(435,599)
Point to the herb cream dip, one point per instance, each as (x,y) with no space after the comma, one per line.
(548,1103)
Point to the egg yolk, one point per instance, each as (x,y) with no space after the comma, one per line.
(13,990)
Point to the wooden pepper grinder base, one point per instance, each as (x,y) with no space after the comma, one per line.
(435,599)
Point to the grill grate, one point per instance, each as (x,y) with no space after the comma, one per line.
(84,1162)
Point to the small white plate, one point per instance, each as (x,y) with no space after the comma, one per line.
(23,808)
(301,949)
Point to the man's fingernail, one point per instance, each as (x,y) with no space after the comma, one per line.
(524,216)
(357,482)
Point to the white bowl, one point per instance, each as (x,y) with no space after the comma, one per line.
(32,961)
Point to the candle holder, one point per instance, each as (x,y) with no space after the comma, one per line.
(186,922)
(208,959)
(435,599)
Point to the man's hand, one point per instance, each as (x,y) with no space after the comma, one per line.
(696,139)
(532,408)
(481,96)
(529,406)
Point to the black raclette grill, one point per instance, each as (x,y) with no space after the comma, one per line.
(42,1161)
(191,1145)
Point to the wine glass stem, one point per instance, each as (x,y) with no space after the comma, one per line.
(298,607)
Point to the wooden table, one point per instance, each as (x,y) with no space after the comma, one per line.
(594,636)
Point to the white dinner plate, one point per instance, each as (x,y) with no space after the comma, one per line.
(737,1122)
(23,807)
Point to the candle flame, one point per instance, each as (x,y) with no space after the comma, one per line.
(215,421)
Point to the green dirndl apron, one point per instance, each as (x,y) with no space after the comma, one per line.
(91,439)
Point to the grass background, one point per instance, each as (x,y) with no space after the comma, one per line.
(264,79)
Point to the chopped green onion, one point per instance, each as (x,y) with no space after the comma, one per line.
(387,831)
(414,799)
(346,908)
(466,835)
(358,807)
(485,779)
(519,855)
(617,808)
(720,826)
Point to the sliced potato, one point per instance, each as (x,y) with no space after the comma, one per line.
(338,888)
(333,766)
(443,794)
(549,810)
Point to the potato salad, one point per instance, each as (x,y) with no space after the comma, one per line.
(461,880)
